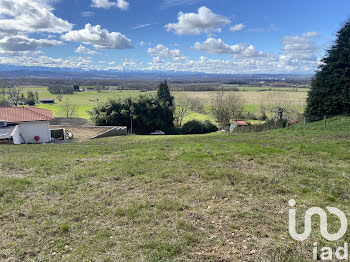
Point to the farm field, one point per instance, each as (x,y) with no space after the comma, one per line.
(216,197)
(264,88)
(252,98)
(85,101)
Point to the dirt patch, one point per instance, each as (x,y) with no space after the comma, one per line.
(83,133)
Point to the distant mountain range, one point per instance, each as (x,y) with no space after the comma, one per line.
(8,71)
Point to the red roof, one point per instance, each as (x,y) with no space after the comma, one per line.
(241,123)
(24,114)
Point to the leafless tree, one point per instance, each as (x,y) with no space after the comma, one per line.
(69,110)
(278,105)
(225,107)
(2,96)
(197,104)
(182,108)
(14,94)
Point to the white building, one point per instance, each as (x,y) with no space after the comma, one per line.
(24,125)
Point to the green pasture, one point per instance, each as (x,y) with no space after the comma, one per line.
(215,197)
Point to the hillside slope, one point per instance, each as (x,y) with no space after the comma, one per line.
(216,197)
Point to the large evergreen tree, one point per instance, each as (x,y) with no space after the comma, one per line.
(150,114)
(163,94)
(330,88)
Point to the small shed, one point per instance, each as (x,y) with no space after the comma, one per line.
(236,124)
(22,125)
(241,123)
(47,101)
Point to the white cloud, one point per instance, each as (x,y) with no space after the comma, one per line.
(103,4)
(194,24)
(300,49)
(157,60)
(214,66)
(310,34)
(87,14)
(84,50)
(163,51)
(237,27)
(217,46)
(299,54)
(143,43)
(128,64)
(16,45)
(122,4)
(45,61)
(37,53)
(244,59)
(98,37)
(26,16)
(106,4)
(47,3)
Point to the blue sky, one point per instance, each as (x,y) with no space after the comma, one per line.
(211,36)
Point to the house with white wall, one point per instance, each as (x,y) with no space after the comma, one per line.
(25,125)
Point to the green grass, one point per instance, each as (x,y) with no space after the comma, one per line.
(83,101)
(58,111)
(216,197)
(199,116)
(91,98)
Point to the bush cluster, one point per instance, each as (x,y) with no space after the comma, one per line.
(198,127)
(143,115)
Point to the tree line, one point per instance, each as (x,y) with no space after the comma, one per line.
(14,96)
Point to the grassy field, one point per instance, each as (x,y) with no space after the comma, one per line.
(255,88)
(253,98)
(85,101)
(216,197)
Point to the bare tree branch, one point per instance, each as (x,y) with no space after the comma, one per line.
(226,107)
(69,110)
(14,94)
(183,105)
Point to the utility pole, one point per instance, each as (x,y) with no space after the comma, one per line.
(130,115)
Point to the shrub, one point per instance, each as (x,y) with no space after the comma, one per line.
(198,127)
(209,127)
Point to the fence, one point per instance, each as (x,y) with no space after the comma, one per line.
(327,122)
(268,125)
